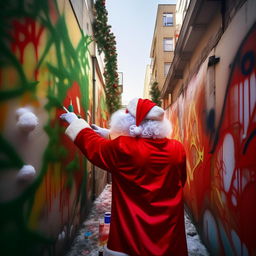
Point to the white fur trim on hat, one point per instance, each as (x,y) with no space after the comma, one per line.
(132,106)
(156,113)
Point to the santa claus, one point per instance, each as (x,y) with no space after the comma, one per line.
(148,174)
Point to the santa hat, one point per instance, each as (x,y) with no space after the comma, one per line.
(142,118)
(144,109)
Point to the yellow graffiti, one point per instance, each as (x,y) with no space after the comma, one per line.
(196,151)
(53,180)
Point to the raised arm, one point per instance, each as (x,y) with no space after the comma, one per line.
(98,150)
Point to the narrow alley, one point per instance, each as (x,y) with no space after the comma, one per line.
(86,241)
(190,66)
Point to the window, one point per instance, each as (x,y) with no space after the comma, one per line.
(167,19)
(168,44)
(166,68)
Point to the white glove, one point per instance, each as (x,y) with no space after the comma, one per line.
(69,117)
(103,132)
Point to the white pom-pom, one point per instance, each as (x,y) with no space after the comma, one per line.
(27,122)
(135,130)
(26,173)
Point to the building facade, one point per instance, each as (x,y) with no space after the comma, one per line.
(212,83)
(163,44)
(147,78)
(181,10)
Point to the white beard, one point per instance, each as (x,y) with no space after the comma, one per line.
(124,124)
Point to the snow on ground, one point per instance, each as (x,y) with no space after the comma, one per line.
(90,247)
(195,246)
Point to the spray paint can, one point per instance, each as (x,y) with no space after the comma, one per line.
(104,225)
(70,107)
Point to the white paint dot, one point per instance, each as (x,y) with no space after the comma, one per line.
(228,160)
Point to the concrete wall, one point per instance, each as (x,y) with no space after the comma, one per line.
(46,184)
(215,118)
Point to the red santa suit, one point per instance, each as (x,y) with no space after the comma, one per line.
(148,176)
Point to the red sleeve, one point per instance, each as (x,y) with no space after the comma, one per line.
(181,161)
(99,151)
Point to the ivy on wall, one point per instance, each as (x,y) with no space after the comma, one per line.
(106,43)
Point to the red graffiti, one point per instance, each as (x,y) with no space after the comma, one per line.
(26,31)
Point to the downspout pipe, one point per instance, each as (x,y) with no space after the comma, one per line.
(223,14)
(93,120)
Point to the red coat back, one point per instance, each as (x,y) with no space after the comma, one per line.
(148,176)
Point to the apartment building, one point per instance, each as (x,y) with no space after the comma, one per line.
(181,10)
(163,44)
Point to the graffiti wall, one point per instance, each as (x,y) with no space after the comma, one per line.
(221,187)
(45,183)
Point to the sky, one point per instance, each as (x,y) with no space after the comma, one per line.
(133,24)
